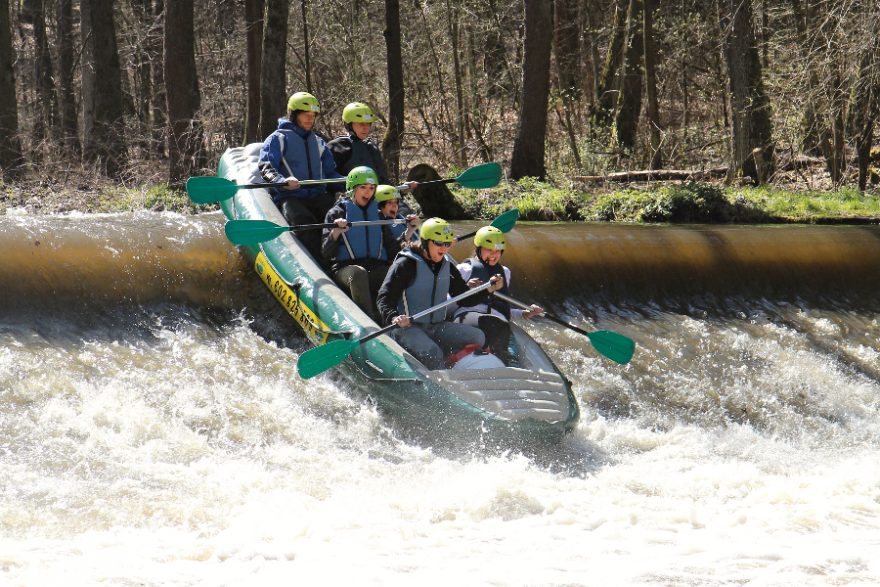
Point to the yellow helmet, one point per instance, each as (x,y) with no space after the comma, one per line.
(491,238)
(436,229)
(384,193)
(358,112)
(303,101)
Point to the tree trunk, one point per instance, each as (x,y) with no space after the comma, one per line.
(273,78)
(653,112)
(10,147)
(306,44)
(142,79)
(567,49)
(155,40)
(629,102)
(182,93)
(606,94)
(69,118)
(751,128)
(864,105)
(253,18)
(391,143)
(452,16)
(105,143)
(46,125)
(528,150)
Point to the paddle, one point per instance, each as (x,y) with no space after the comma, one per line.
(252,232)
(210,189)
(615,346)
(486,175)
(319,359)
(504,222)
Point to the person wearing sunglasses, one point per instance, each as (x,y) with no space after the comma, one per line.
(422,276)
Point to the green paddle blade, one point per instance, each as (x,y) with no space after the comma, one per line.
(486,175)
(615,346)
(209,189)
(506,221)
(317,360)
(252,232)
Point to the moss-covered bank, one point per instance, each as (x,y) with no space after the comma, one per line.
(685,202)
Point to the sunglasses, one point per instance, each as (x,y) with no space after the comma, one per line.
(441,244)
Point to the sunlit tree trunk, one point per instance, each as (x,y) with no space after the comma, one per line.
(629,102)
(751,129)
(606,92)
(653,111)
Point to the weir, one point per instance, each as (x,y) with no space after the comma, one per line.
(67,262)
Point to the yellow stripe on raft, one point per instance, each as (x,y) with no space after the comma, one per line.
(314,327)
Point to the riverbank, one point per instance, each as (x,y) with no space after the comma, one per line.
(674,202)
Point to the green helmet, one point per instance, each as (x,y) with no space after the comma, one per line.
(358,112)
(436,229)
(385,193)
(359,176)
(490,238)
(303,101)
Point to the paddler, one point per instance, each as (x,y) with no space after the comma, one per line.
(359,255)
(356,147)
(422,276)
(490,314)
(388,200)
(295,152)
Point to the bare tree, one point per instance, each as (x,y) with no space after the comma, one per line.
(10,147)
(273,81)
(67,94)
(103,140)
(629,100)
(752,129)
(653,112)
(46,95)
(253,18)
(394,132)
(182,91)
(529,147)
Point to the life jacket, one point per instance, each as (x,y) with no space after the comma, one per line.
(484,302)
(427,289)
(361,242)
(350,152)
(397,230)
(301,154)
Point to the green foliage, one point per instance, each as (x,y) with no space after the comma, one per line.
(682,203)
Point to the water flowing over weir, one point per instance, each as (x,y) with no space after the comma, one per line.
(153,429)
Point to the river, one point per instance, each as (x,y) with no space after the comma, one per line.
(153,430)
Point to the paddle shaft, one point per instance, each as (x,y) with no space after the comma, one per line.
(525,306)
(430,310)
(306,182)
(350,224)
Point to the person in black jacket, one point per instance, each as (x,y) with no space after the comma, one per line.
(359,255)
(421,277)
(357,147)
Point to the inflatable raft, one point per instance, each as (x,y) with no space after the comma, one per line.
(531,400)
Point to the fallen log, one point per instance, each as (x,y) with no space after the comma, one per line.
(655,175)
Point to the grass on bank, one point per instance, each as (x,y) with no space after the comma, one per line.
(686,202)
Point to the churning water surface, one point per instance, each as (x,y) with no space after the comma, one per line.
(153,430)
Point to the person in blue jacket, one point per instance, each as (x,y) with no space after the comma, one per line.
(360,255)
(388,199)
(295,152)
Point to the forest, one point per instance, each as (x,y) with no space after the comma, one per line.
(149,91)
